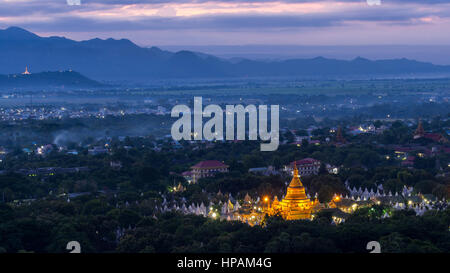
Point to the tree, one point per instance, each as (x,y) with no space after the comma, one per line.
(325,194)
(393,243)
(441,191)
(279,244)
(322,169)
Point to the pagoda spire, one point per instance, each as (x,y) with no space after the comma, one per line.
(295,182)
(339,137)
(420,132)
(26,71)
(295,204)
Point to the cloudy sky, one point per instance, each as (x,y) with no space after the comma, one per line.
(236,22)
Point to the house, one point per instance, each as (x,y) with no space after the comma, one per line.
(207,169)
(72,152)
(44,149)
(188,176)
(97,150)
(266,171)
(409,161)
(436,137)
(115,165)
(306,166)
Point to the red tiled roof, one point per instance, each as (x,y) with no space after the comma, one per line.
(434,137)
(305,161)
(404,149)
(407,163)
(209,164)
(296,143)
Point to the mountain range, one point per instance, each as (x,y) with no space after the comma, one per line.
(112,59)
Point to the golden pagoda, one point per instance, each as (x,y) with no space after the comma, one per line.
(26,71)
(295,205)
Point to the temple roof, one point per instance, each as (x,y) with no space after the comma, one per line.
(419,130)
(295,182)
(210,164)
(305,161)
(247,198)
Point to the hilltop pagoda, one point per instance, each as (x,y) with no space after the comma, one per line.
(26,72)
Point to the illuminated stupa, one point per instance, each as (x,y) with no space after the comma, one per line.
(26,71)
(296,204)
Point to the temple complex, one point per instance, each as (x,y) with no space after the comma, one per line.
(296,204)
(420,133)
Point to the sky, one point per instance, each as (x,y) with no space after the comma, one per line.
(236,22)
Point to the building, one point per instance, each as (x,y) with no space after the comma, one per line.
(420,132)
(306,166)
(44,149)
(26,71)
(295,205)
(339,137)
(207,168)
(97,150)
(117,165)
(250,212)
(267,171)
(188,176)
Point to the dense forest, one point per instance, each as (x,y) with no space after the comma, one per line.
(48,226)
(113,209)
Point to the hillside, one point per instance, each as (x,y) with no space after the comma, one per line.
(47,79)
(123,60)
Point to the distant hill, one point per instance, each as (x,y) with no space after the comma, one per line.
(47,79)
(123,60)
